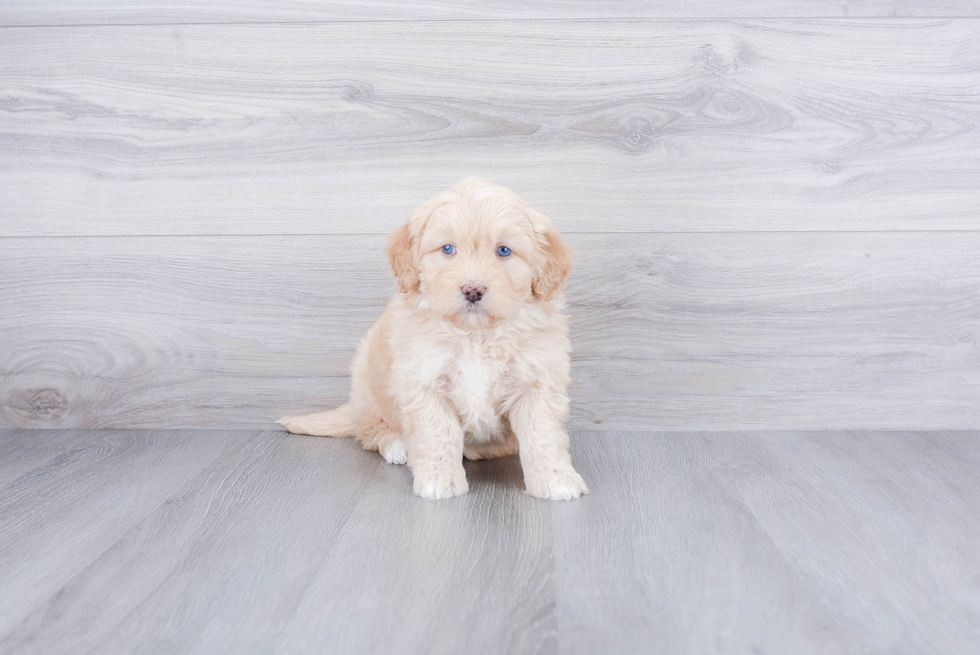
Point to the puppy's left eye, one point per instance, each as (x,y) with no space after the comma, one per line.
(449,249)
(503,251)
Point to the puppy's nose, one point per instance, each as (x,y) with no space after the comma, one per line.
(474,292)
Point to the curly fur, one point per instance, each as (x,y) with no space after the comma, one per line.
(439,377)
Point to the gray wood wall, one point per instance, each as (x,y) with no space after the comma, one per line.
(775,205)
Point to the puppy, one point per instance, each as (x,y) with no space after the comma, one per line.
(470,359)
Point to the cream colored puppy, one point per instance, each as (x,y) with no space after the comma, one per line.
(471,357)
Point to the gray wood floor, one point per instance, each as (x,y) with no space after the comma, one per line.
(196,541)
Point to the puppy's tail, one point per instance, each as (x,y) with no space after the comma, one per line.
(336,423)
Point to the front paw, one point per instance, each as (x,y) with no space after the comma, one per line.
(440,483)
(555,485)
(394,452)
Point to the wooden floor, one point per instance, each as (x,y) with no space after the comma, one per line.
(246,541)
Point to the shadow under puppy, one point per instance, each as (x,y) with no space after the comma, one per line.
(470,359)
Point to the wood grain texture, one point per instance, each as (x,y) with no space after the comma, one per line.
(22,452)
(690,555)
(614,126)
(722,542)
(781,542)
(220,565)
(89,12)
(471,576)
(707,331)
(877,489)
(98,488)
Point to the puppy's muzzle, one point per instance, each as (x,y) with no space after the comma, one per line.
(473,292)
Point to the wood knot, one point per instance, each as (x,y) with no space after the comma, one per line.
(720,58)
(46,403)
(357,91)
(640,133)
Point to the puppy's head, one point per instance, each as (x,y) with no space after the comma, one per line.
(476,253)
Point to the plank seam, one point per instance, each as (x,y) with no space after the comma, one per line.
(691,19)
(382,234)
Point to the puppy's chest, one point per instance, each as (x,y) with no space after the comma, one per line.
(480,381)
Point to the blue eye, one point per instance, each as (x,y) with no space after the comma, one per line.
(503,251)
(449,249)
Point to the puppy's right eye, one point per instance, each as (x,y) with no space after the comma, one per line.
(449,249)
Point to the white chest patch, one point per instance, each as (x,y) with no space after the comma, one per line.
(477,388)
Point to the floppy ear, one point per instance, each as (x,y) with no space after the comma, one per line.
(402,248)
(401,256)
(555,262)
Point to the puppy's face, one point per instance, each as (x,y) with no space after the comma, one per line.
(476,253)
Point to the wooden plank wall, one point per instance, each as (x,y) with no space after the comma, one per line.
(775,206)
